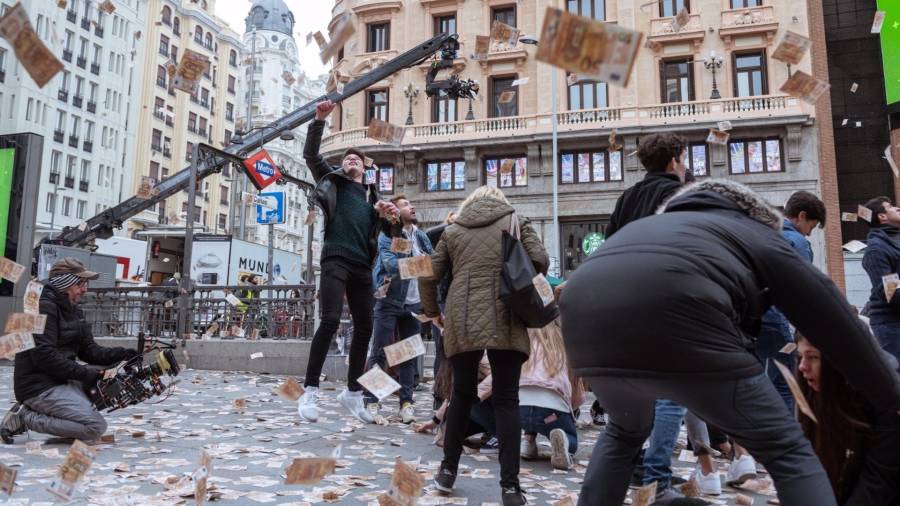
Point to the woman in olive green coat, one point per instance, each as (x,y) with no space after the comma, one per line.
(475,321)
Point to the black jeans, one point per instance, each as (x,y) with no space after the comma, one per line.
(749,409)
(340,277)
(506,366)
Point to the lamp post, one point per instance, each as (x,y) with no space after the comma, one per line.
(411,93)
(554,121)
(470,115)
(712,64)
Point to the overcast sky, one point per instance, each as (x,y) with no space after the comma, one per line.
(310,16)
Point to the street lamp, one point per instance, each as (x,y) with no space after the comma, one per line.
(712,64)
(555,123)
(411,93)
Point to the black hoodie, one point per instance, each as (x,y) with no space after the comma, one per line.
(680,294)
(882,257)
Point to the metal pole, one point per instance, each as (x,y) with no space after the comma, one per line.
(53,212)
(554,121)
(184,300)
(270,271)
(247,126)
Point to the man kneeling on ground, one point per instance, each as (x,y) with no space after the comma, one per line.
(48,381)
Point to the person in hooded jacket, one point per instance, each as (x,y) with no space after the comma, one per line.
(669,308)
(476,320)
(882,258)
(48,381)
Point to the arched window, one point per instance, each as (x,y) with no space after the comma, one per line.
(232,58)
(208,41)
(176,26)
(198,34)
(166,15)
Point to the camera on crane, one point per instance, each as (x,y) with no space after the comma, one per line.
(454,87)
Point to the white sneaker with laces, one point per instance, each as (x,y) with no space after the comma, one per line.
(408,413)
(306,405)
(709,484)
(560,458)
(741,470)
(353,402)
(529,449)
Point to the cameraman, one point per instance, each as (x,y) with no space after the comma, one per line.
(47,379)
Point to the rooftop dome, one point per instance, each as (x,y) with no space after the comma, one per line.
(271,15)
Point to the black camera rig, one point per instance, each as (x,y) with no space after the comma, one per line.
(135,382)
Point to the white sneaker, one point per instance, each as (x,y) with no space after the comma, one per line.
(306,405)
(560,458)
(709,484)
(741,470)
(353,402)
(407,413)
(529,448)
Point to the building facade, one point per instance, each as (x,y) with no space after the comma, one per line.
(172,122)
(87,114)
(773,146)
(272,73)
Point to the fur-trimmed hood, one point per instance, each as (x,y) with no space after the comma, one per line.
(709,193)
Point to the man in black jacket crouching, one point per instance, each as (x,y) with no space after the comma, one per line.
(669,308)
(48,381)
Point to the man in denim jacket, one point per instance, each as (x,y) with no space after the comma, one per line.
(395,307)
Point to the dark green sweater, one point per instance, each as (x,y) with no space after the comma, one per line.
(347,234)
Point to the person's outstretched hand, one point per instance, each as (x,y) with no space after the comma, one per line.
(324,108)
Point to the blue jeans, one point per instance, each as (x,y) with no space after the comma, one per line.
(772,338)
(533,422)
(888,335)
(391,318)
(658,456)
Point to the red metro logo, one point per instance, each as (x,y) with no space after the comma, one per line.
(262,169)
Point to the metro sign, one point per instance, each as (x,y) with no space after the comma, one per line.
(262,170)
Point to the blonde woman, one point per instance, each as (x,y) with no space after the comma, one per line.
(476,320)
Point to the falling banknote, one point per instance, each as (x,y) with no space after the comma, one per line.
(805,87)
(78,461)
(592,49)
(290,390)
(792,48)
(378,382)
(32,299)
(482,46)
(31,52)
(25,322)
(191,67)
(502,33)
(10,344)
(415,267)
(385,132)
(403,350)
(309,471)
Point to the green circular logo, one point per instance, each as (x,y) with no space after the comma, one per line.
(591,242)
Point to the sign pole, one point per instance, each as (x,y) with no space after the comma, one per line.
(270,268)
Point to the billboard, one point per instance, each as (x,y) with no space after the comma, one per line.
(221,260)
(890,49)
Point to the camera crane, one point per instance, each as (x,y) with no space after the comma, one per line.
(102,225)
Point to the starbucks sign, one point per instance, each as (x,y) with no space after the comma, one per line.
(591,242)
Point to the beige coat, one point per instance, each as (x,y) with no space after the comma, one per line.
(470,251)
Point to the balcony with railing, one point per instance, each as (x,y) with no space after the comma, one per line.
(81,61)
(70,182)
(749,21)
(73,141)
(98,31)
(91,106)
(83,186)
(59,136)
(86,24)
(63,95)
(77,101)
(95,69)
(71,16)
(701,112)
(2,76)
(169,121)
(167,152)
(54,178)
(159,115)
(67,55)
(88,146)
(664,31)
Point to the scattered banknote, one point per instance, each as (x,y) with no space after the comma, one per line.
(891,161)
(401,245)
(378,383)
(200,477)
(878,21)
(506,97)
(724,125)
(10,344)
(802,405)
(890,282)
(644,496)
(543,288)
(147,189)
(482,47)
(190,69)
(381,292)
(7,479)
(240,404)
(320,40)
(788,348)
(855,246)
(254,356)
(864,213)
(385,132)
(25,322)
(805,87)
(309,471)
(593,49)
(31,52)
(403,350)
(32,299)
(421,317)
(368,162)
(849,216)
(717,137)
(415,267)
(854,87)
(107,6)
(343,30)
(681,20)
(78,462)
(520,82)
(211,330)
(406,484)
(502,33)
(792,48)
(289,390)
(288,78)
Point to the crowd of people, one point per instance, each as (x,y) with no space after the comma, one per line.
(699,293)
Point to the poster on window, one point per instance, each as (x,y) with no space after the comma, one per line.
(698,160)
(568,168)
(773,155)
(446,175)
(755,155)
(599,166)
(737,157)
(459,182)
(432,177)
(370,176)
(386,180)
(491,169)
(584,167)
(522,171)
(506,172)
(615,165)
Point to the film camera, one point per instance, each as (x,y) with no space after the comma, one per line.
(454,87)
(134,382)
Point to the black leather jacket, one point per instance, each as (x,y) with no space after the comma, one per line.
(66,337)
(327,180)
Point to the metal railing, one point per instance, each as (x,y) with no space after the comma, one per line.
(287,314)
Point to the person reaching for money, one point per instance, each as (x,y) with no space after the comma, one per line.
(47,379)
(354,215)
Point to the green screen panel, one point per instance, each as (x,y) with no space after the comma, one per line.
(890,49)
(7,157)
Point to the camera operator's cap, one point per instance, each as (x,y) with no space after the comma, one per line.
(73,266)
